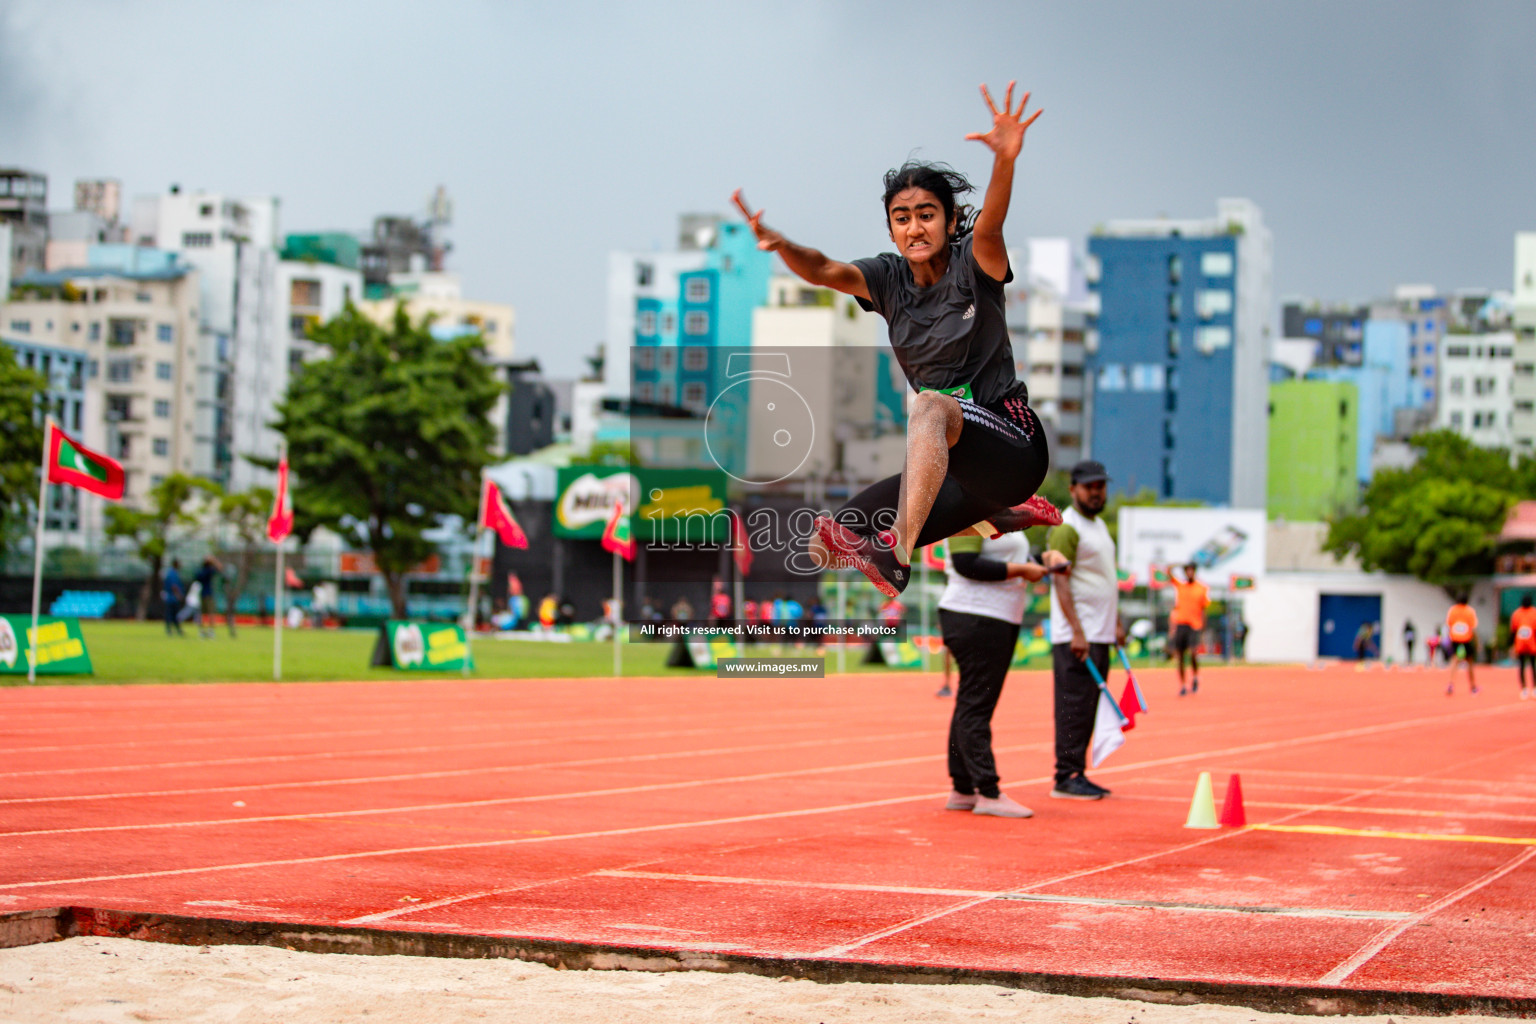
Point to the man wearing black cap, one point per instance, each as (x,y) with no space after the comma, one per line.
(1085,621)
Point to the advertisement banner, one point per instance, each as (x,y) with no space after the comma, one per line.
(60,646)
(1222,542)
(420,647)
(670,505)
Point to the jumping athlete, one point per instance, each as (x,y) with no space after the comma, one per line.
(976,453)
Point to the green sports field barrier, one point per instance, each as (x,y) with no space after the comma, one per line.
(60,646)
(421,646)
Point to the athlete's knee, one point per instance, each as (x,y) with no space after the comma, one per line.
(934,407)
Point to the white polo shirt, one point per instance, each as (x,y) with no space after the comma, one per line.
(1095,585)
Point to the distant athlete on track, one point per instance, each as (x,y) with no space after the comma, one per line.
(976,453)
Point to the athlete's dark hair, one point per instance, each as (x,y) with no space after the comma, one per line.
(940,179)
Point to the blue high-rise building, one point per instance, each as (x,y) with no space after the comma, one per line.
(1177,368)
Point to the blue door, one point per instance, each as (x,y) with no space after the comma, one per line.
(1339,618)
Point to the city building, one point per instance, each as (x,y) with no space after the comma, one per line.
(1381,376)
(1048,308)
(1312,449)
(24,209)
(93,221)
(1477,376)
(317,276)
(404,245)
(1178,369)
(120,350)
(1337,331)
(1523,423)
(243,344)
(1427,317)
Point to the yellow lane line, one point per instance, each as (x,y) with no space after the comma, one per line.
(1331,830)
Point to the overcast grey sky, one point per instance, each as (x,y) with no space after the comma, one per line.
(1386,142)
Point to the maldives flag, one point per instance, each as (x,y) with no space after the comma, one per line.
(619,534)
(741,548)
(72,463)
(280,523)
(1159,577)
(496,515)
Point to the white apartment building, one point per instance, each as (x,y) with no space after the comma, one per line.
(313,293)
(1523,424)
(1047,307)
(243,348)
(128,344)
(834,352)
(1477,383)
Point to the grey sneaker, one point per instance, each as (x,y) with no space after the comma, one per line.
(960,801)
(1075,787)
(1001,806)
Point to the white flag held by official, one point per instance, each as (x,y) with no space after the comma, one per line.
(1107,737)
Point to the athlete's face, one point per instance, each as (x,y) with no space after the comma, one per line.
(918,226)
(1090,497)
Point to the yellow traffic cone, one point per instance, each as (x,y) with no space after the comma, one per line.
(1202,809)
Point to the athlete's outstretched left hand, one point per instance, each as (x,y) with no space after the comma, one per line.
(1006,138)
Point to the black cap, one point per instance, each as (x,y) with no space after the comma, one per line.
(1089,472)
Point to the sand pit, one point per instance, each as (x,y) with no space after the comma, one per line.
(122,980)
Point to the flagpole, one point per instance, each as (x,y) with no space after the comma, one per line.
(474,574)
(37,549)
(618,614)
(277,600)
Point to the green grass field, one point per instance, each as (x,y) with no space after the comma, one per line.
(140,652)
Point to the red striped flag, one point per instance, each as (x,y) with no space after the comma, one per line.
(280,523)
(496,514)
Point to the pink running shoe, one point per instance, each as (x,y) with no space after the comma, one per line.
(876,560)
(1037,511)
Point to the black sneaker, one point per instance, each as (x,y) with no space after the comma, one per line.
(1075,787)
(1103,791)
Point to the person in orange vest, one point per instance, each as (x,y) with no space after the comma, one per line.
(1461,621)
(1522,630)
(1186,624)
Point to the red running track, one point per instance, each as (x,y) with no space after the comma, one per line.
(1390,841)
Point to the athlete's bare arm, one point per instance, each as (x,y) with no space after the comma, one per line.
(810,265)
(1005,140)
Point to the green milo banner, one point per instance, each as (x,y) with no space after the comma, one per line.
(60,646)
(668,505)
(423,646)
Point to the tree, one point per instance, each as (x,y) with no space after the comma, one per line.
(22,394)
(172,506)
(388,436)
(246,513)
(1439,519)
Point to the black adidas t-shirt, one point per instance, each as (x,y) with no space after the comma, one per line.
(951,333)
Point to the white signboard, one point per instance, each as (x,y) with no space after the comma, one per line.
(1223,542)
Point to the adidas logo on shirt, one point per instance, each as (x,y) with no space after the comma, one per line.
(970,311)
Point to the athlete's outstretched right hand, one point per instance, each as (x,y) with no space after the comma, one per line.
(768,239)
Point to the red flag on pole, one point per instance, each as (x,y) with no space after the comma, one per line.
(741,548)
(280,523)
(619,534)
(72,463)
(496,515)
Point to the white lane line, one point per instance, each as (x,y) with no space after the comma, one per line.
(483,844)
(903,926)
(651,787)
(486,720)
(457,773)
(1367,952)
(1089,901)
